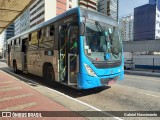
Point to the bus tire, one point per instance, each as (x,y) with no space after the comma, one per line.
(15,67)
(50,76)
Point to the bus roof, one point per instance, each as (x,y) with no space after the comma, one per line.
(90,14)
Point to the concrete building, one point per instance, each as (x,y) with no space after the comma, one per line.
(17,28)
(89,4)
(9,32)
(126,26)
(6,34)
(72,4)
(2,36)
(22,23)
(109,7)
(43,10)
(146,22)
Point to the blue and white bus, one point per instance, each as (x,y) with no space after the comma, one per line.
(79,48)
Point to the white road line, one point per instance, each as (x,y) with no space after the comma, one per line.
(143,78)
(149,94)
(68,97)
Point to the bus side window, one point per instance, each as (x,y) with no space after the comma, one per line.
(11,43)
(39,34)
(51,31)
(19,42)
(8,48)
(30,37)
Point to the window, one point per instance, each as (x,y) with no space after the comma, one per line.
(51,31)
(39,34)
(70,6)
(19,41)
(33,43)
(29,37)
(14,42)
(47,37)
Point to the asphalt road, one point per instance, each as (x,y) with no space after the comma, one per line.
(134,93)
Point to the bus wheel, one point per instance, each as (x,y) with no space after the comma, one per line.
(50,76)
(15,67)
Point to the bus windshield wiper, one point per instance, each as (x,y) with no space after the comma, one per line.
(99,27)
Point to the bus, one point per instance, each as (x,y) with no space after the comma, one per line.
(60,50)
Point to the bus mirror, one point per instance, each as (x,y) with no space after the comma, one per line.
(82,29)
(110,31)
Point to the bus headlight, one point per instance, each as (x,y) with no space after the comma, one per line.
(90,71)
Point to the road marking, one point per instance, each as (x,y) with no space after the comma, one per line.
(149,94)
(19,107)
(144,78)
(65,96)
(9,89)
(14,97)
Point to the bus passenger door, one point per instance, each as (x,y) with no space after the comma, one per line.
(68,57)
(73,61)
(62,53)
(24,54)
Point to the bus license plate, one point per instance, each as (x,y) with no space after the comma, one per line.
(111,82)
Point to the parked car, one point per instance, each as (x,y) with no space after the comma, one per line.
(128,64)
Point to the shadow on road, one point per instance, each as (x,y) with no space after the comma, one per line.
(34,81)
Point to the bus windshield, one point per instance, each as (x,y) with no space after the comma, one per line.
(102,41)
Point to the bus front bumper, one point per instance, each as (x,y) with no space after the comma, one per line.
(86,82)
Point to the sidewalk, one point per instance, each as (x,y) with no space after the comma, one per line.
(18,96)
(144,72)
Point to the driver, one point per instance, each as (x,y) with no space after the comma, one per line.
(94,45)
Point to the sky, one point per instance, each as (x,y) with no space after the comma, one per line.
(126,7)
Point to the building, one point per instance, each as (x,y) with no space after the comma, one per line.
(126,26)
(17,29)
(147,22)
(22,23)
(43,10)
(89,4)
(6,34)
(109,7)
(152,2)
(9,32)
(72,4)
(2,36)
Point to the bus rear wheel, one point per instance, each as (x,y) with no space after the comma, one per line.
(50,76)
(15,67)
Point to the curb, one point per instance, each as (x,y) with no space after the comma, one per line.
(151,74)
